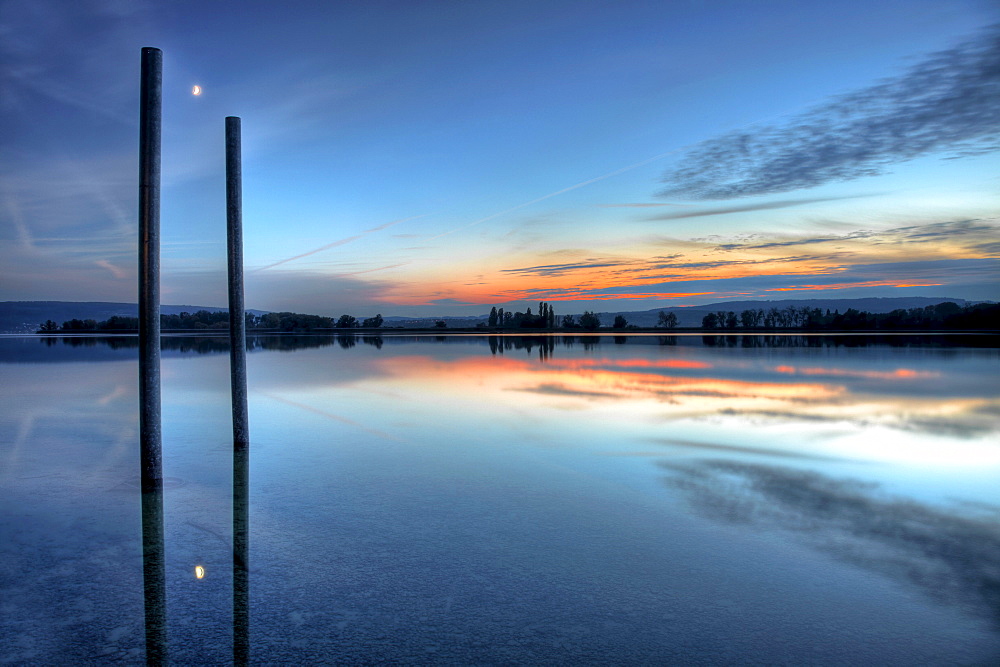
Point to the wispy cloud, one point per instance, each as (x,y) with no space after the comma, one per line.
(975,231)
(945,103)
(861,234)
(761,206)
(560,269)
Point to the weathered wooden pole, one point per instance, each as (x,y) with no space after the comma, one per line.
(237,318)
(238,381)
(150,445)
(150,121)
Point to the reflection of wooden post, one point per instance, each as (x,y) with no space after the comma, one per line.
(151,477)
(238,377)
(241,549)
(154,592)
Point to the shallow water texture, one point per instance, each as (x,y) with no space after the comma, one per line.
(512,500)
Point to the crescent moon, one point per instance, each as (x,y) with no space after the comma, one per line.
(196,90)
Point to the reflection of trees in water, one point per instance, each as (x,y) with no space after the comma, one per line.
(852,341)
(951,558)
(347,341)
(499,344)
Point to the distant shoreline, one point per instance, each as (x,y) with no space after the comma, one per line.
(525,332)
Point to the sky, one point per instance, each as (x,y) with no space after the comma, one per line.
(442,157)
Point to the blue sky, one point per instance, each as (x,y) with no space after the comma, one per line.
(443,157)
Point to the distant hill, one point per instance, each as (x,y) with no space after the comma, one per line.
(26,316)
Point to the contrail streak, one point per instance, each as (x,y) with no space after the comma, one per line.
(339,242)
(559,192)
(330,415)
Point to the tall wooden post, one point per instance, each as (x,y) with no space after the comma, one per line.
(150,446)
(238,381)
(237,318)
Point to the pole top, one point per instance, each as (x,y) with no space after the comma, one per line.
(151,50)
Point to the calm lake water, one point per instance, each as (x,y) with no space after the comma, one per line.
(483,500)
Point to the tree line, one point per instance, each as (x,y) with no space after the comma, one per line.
(351,322)
(206,320)
(504,319)
(946,315)
(546,319)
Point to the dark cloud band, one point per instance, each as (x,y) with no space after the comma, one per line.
(949,102)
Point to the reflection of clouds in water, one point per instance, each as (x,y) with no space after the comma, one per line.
(952,557)
(763,402)
(950,418)
(553,389)
(739,449)
(897,374)
(973,424)
(673,388)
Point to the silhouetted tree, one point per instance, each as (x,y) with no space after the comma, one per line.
(372,322)
(347,322)
(79,325)
(440,324)
(710,321)
(620,322)
(569,323)
(493,317)
(667,320)
(751,318)
(119,323)
(589,320)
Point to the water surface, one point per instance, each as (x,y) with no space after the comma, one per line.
(498,500)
